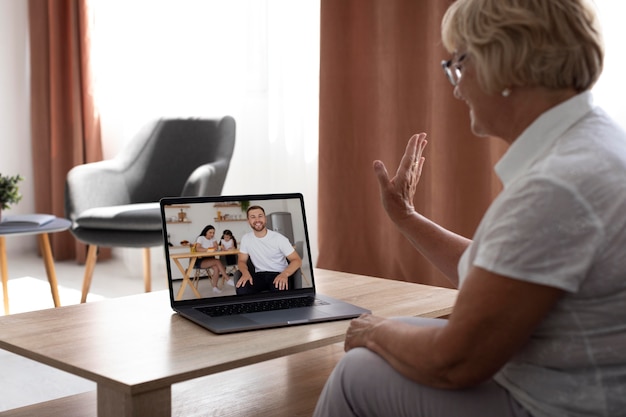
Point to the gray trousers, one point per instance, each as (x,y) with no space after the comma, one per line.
(364,384)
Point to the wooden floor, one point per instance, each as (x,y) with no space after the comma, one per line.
(287,386)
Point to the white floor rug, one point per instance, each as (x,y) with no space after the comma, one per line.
(24,381)
(30,294)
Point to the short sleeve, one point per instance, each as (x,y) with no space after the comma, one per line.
(542,232)
(285,246)
(243,245)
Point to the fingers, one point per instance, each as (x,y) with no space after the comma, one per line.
(421,145)
(356,334)
(397,192)
(410,155)
(381,173)
(242,281)
(411,160)
(280,283)
(413,153)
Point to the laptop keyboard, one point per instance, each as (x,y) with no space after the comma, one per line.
(263,305)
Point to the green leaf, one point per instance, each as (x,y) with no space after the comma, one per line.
(9,191)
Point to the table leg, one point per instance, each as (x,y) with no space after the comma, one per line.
(186,275)
(147,275)
(46,251)
(114,403)
(5,274)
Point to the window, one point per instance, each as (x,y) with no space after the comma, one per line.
(256,60)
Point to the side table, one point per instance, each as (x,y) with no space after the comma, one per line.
(56,225)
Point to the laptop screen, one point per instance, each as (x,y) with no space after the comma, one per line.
(206,236)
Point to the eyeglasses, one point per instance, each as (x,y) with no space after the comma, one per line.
(453,70)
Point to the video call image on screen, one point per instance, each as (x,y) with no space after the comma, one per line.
(186,223)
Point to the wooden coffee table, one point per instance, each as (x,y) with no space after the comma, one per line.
(135,348)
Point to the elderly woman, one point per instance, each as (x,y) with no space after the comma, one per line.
(539,327)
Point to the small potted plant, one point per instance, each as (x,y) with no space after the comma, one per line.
(9,191)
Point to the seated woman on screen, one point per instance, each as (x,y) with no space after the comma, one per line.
(204,243)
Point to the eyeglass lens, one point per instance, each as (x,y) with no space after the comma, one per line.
(453,70)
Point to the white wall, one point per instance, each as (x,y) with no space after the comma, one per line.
(15,151)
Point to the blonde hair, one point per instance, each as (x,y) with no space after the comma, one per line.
(554,44)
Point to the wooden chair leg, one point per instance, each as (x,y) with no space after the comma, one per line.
(90,264)
(196,278)
(147,278)
(5,274)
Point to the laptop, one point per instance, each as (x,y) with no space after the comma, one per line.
(229,309)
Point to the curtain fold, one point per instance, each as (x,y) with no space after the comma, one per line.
(65,125)
(380,82)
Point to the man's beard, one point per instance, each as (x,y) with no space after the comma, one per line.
(258,226)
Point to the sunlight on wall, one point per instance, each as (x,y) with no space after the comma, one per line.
(202,58)
(610,90)
(256,60)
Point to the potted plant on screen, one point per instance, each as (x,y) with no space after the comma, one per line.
(9,191)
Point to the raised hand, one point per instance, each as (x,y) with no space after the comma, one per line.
(398,192)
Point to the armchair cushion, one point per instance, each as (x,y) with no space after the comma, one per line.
(140,217)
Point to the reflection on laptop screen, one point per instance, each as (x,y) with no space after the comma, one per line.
(204,241)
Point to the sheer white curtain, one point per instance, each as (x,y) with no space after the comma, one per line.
(256,60)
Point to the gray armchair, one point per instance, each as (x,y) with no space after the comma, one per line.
(114,203)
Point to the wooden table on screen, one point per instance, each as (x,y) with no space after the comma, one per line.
(193,258)
(136,347)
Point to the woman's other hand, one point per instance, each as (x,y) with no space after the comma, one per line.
(359,330)
(398,192)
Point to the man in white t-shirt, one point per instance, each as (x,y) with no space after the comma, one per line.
(273,256)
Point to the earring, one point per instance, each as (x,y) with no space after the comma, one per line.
(506,92)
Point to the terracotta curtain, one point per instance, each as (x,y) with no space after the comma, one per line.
(64,122)
(381,81)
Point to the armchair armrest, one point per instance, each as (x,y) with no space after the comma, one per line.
(207,179)
(97,184)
